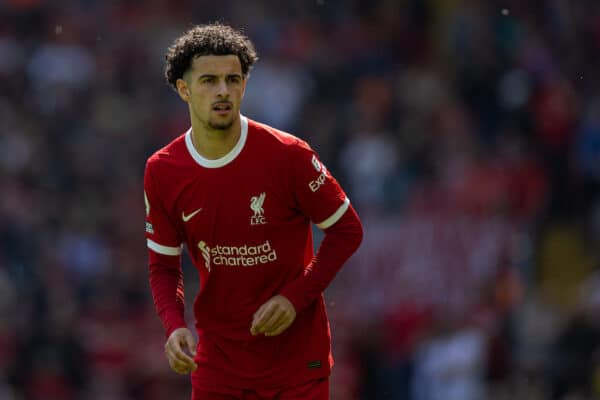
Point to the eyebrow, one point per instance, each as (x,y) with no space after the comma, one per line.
(215,76)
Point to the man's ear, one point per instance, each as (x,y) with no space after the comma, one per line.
(183,90)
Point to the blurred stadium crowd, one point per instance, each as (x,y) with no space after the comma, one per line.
(466,132)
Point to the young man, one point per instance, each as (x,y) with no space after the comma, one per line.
(241,196)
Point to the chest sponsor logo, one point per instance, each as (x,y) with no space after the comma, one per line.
(237,256)
(256,205)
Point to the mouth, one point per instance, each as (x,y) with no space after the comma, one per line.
(222,107)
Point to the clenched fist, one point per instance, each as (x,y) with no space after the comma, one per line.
(178,349)
(273,317)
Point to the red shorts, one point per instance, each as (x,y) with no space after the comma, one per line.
(311,390)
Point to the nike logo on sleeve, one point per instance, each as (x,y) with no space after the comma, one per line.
(186,218)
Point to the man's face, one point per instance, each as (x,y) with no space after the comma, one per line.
(214,87)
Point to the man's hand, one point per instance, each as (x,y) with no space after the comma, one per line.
(273,317)
(180,345)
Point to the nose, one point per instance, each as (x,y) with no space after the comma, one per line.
(222,89)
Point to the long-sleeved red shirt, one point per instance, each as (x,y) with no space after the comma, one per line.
(246,222)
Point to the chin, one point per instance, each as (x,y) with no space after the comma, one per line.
(221,125)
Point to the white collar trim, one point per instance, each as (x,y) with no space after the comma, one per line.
(227,158)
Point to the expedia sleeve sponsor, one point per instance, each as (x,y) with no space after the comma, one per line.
(317,192)
(320,180)
(237,256)
(314,185)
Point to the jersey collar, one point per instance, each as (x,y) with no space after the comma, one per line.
(227,158)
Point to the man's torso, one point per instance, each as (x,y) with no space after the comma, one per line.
(246,235)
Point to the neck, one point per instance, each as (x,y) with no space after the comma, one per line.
(215,143)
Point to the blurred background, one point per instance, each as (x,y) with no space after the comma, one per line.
(466,133)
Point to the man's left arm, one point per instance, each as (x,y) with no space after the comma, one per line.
(319,197)
(340,242)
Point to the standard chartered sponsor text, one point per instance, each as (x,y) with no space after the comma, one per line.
(242,256)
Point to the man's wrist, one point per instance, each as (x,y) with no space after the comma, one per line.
(171,327)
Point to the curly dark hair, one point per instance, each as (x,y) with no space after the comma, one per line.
(211,39)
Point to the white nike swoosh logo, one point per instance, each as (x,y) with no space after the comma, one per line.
(186,218)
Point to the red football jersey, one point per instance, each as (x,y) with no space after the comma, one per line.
(246,221)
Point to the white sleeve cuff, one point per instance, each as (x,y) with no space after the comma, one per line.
(335,216)
(164,250)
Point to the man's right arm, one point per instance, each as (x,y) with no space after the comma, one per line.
(164,253)
(166,277)
(166,284)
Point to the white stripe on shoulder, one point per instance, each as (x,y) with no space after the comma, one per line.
(335,216)
(164,250)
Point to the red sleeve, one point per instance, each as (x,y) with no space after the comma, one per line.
(166,284)
(164,258)
(340,242)
(318,194)
(161,233)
